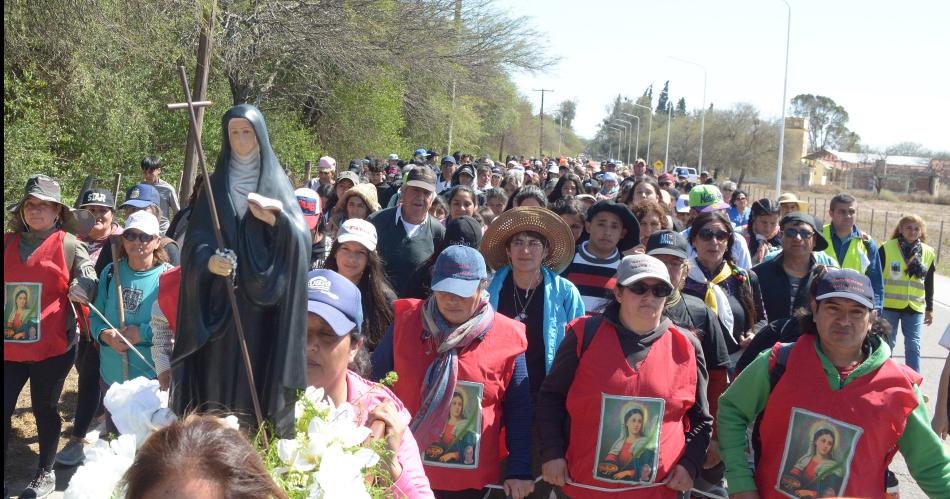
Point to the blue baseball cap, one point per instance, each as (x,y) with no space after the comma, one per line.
(141,195)
(448,159)
(846,283)
(336,300)
(459,270)
(421,152)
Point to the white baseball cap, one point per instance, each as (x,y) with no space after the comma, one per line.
(360,231)
(682,203)
(143,221)
(634,268)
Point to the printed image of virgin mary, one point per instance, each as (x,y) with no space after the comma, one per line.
(458,440)
(632,456)
(817,473)
(20,323)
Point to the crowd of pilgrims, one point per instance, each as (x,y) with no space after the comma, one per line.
(558,326)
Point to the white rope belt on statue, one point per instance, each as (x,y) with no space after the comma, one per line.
(608,490)
(121,336)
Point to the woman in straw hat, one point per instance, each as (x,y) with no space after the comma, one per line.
(359,201)
(44,268)
(528,248)
(789,202)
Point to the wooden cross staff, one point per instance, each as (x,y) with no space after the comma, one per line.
(216,223)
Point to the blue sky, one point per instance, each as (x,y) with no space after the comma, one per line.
(886,62)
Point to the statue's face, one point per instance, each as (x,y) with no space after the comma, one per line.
(241,136)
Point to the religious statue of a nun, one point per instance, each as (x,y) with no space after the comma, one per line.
(266,257)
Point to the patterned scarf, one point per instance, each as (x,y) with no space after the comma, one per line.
(715,297)
(442,375)
(913,255)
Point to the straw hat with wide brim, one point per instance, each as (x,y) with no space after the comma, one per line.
(790,197)
(535,219)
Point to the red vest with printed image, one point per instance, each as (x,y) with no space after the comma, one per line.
(489,362)
(874,407)
(668,372)
(30,336)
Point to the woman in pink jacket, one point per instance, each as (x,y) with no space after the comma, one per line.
(334,343)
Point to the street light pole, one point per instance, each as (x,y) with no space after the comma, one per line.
(649,129)
(621,130)
(702,119)
(560,129)
(781,137)
(625,122)
(541,133)
(669,125)
(638,132)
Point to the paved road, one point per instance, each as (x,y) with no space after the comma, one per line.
(931,363)
(932,360)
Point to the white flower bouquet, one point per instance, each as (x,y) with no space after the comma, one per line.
(138,408)
(327,458)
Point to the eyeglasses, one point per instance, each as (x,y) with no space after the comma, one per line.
(526,243)
(793,233)
(141,236)
(659,290)
(708,234)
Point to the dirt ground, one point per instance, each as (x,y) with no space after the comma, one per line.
(877,217)
(23,456)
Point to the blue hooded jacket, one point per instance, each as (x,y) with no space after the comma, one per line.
(562,304)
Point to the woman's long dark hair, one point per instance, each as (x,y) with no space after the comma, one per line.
(527,192)
(556,195)
(745,289)
(376,292)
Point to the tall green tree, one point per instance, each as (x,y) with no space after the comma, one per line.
(681,107)
(661,103)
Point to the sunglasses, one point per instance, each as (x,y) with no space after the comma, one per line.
(709,234)
(140,236)
(659,290)
(793,233)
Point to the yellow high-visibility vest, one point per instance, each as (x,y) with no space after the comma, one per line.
(855,258)
(901,290)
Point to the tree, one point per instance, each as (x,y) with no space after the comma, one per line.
(649,92)
(908,149)
(664,98)
(827,121)
(681,107)
(567,110)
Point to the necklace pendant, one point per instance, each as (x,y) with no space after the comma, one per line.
(521,317)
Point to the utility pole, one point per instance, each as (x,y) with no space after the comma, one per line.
(458,26)
(541,133)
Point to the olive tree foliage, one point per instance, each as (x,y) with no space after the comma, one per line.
(827,122)
(736,140)
(85,82)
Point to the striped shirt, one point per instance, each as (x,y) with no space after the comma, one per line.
(594,277)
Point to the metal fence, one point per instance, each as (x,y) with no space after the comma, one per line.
(879,224)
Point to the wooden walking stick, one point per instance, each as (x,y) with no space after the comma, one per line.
(117,281)
(219,238)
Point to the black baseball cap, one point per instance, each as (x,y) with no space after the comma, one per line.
(97,197)
(465,231)
(668,242)
(805,218)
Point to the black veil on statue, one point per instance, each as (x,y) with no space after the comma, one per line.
(208,372)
